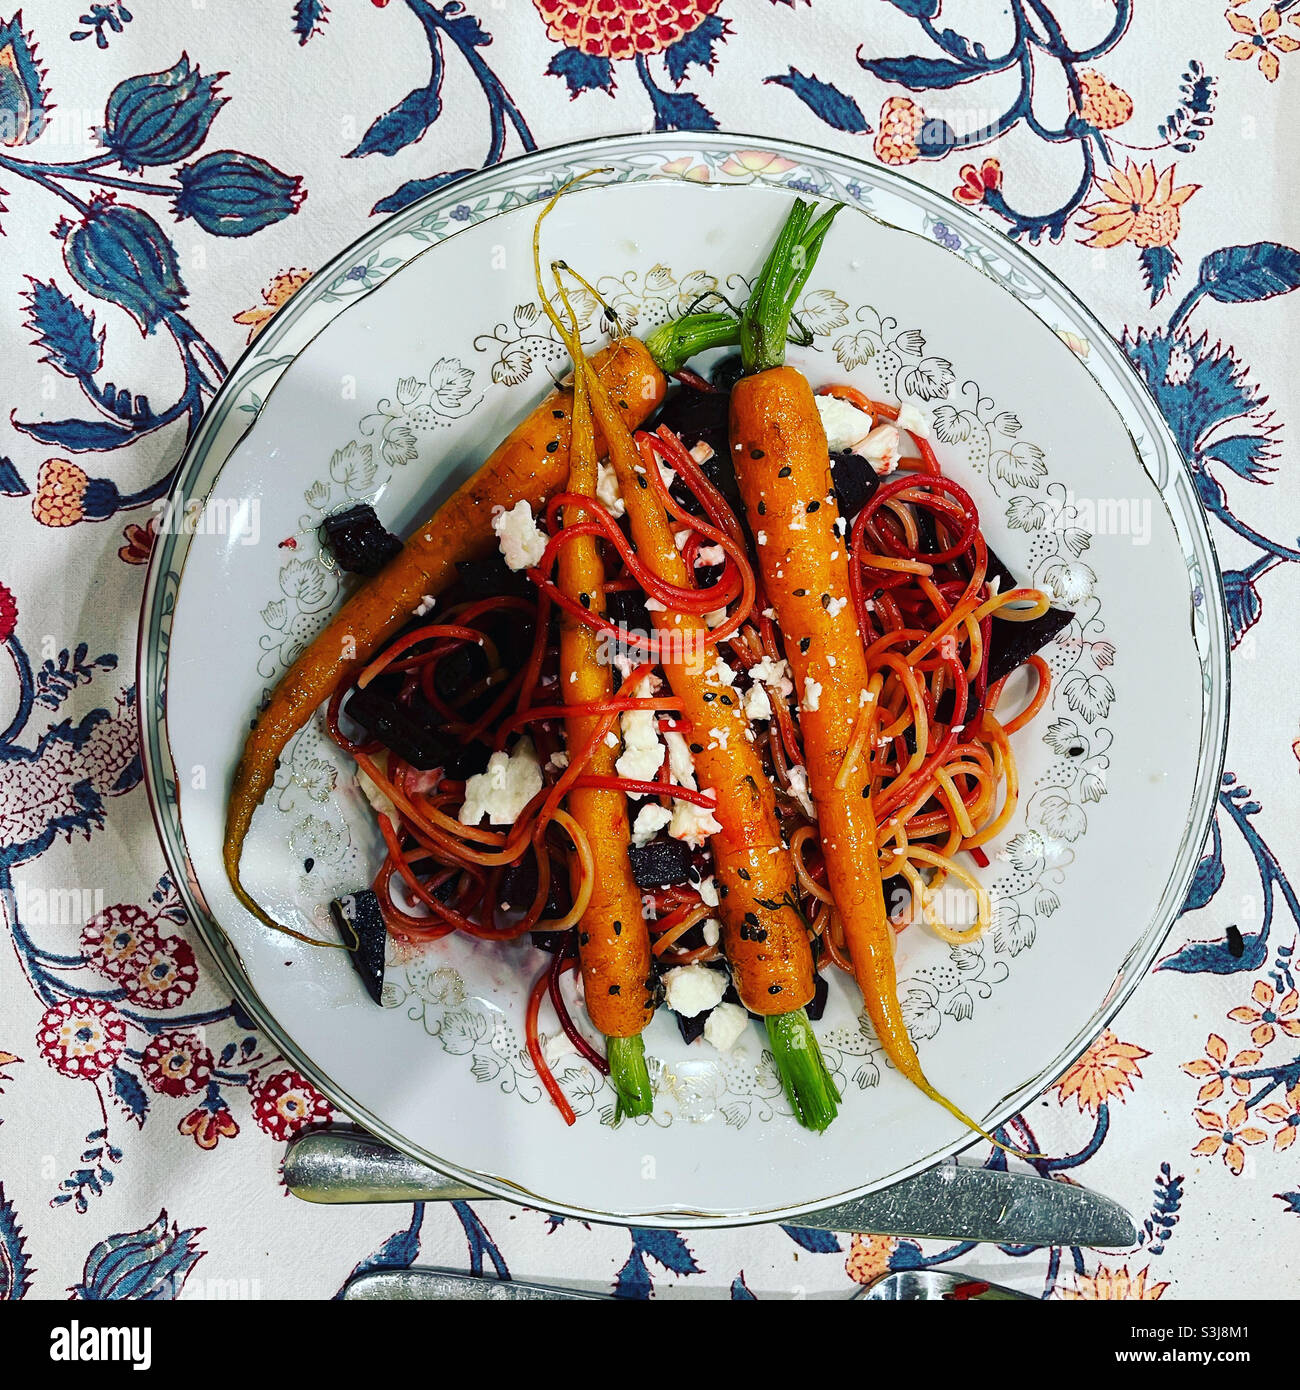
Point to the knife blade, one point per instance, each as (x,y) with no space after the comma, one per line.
(943,1203)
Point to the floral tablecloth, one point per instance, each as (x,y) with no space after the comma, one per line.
(171,174)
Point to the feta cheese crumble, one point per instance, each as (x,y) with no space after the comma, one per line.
(775,674)
(505,788)
(915,419)
(607,493)
(799,786)
(692,823)
(812,695)
(757,705)
(725,1025)
(694,989)
(522,544)
(844,423)
(650,820)
(880,448)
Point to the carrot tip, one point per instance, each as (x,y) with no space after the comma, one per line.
(807,1081)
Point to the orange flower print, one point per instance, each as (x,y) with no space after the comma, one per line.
(1288,1116)
(1106,1070)
(901,122)
(1115,1285)
(1227,1134)
(869,1258)
(681,168)
(976,184)
(622,28)
(1216,1069)
(275,296)
(755,163)
(1101,103)
(139,543)
(1272,1014)
(1264,40)
(1141,206)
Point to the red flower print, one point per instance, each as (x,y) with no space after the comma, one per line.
(208,1123)
(8,614)
(1217,1070)
(119,940)
(176,1064)
(977,183)
(1227,1134)
(81,1037)
(622,28)
(139,543)
(165,977)
(285,1103)
(1273,1013)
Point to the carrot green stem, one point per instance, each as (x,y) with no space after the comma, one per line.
(808,1084)
(673,344)
(629,1077)
(766,320)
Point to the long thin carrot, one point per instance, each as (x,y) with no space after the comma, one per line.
(782,465)
(613,939)
(764,935)
(530,464)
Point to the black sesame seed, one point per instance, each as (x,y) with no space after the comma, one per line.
(615,989)
(800,593)
(774,989)
(557,414)
(752,918)
(762,509)
(804,644)
(586,600)
(697,748)
(622,405)
(709,696)
(784,473)
(744,873)
(723,890)
(618,929)
(583,938)
(758,453)
(826,600)
(641,481)
(813,506)
(726,699)
(552,446)
(308,865)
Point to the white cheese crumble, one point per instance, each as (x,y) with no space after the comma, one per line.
(843,422)
(836,606)
(642,751)
(505,788)
(915,419)
(798,519)
(774,673)
(757,705)
(693,989)
(424,607)
(653,605)
(722,673)
(702,452)
(681,765)
(712,555)
(650,820)
(712,931)
(718,738)
(799,786)
(880,448)
(812,695)
(607,493)
(611,739)
(522,544)
(716,618)
(692,823)
(725,1025)
(559,760)
(708,891)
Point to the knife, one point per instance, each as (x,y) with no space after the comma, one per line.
(943,1203)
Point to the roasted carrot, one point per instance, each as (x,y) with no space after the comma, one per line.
(531,463)
(764,934)
(613,939)
(782,465)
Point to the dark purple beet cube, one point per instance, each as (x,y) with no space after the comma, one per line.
(359,913)
(359,541)
(660,863)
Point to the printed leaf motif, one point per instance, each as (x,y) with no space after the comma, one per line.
(1206,881)
(79,436)
(1246,454)
(128,1094)
(1159,266)
(309,18)
(822,312)
(147,1265)
(582,72)
(1245,274)
(64,331)
(1022,465)
(818,1242)
(740,1290)
(920,74)
(407,122)
(15,1268)
(1243,603)
(834,107)
(695,49)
